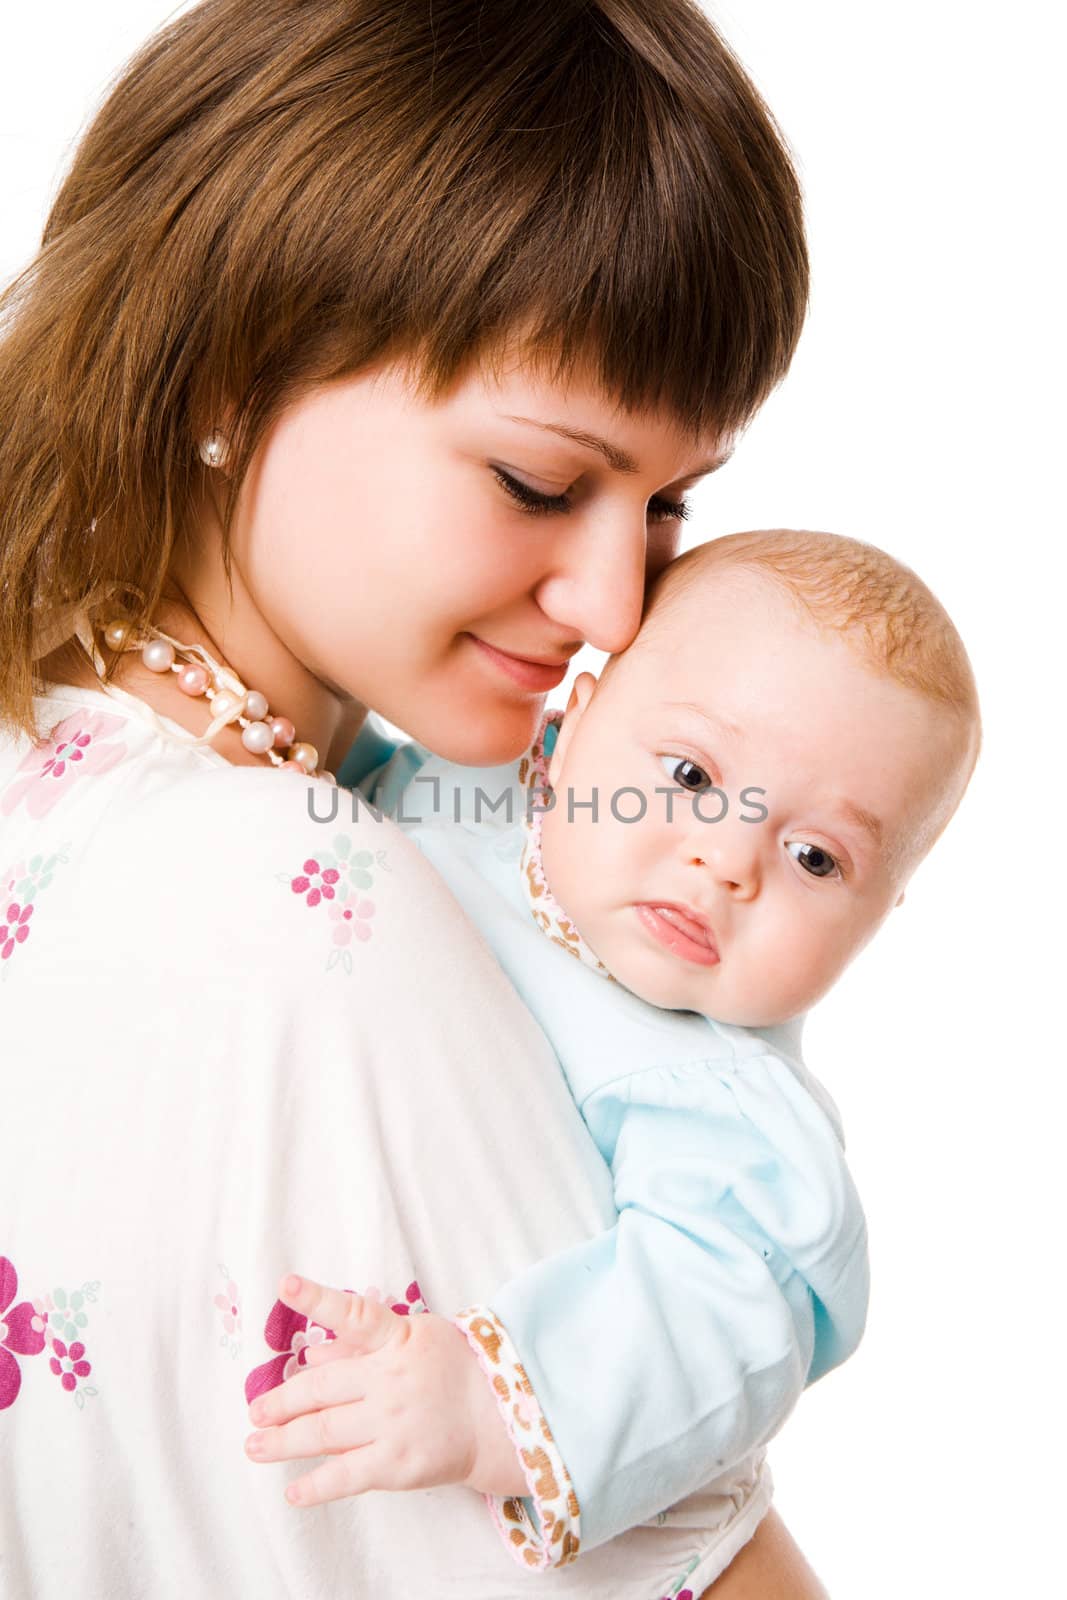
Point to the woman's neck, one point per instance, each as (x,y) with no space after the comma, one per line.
(201,607)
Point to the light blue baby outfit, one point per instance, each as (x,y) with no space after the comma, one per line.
(676,1343)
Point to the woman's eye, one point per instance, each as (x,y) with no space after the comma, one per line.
(685,773)
(530,499)
(818,863)
(535,500)
(660,510)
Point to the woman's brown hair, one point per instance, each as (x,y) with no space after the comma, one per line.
(278,193)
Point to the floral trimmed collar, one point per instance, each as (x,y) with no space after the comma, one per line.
(545,909)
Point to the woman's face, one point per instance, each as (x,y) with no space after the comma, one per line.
(396,545)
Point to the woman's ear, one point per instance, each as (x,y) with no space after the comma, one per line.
(581,694)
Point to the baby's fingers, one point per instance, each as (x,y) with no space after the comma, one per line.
(373,1466)
(319,1355)
(331,1431)
(337,1478)
(364,1325)
(333,1383)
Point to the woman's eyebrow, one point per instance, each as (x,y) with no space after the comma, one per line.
(619,460)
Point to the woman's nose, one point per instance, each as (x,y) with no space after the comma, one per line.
(596,588)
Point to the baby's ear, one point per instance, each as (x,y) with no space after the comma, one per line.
(899,901)
(581,694)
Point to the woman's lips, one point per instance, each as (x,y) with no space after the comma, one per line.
(531,675)
(681,932)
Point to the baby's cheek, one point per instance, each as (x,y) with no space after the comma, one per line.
(569,865)
(797,969)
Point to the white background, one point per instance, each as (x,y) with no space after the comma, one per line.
(923,414)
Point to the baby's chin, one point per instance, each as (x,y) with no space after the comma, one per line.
(652,981)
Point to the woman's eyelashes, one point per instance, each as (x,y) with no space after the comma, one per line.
(534,501)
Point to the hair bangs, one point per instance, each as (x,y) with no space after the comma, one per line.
(620,219)
(275,195)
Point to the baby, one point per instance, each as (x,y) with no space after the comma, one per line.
(711,832)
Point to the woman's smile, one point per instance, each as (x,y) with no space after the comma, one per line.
(538,677)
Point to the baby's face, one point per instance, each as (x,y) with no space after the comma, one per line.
(827,773)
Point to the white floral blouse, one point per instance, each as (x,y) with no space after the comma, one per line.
(235,1042)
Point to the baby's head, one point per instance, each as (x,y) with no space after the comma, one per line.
(812,708)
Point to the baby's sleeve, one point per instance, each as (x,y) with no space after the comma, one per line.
(665,1350)
(371,748)
(382,771)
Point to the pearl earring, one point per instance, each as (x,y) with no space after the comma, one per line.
(212,450)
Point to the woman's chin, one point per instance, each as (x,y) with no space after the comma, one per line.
(483,734)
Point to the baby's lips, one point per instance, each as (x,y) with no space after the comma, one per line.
(689,923)
(679,930)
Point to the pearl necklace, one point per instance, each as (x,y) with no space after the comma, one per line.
(231,701)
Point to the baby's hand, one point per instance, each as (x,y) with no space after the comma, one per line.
(395,1402)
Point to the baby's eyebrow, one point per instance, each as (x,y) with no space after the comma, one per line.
(715,724)
(863,819)
(850,810)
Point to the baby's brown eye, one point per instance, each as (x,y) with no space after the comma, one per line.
(685,773)
(819,863)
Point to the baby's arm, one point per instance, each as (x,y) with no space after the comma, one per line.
(668,1348)
(644,1361)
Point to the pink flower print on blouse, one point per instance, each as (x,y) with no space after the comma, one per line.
(78,747)
(411,1303)
(228,1304)
(335,876)
(20,1334)
(351,919)
(289,1333)
(60,1318)
(14,928)
(20,886)
(677,1591)
(69,1364)
(231,1311)
(316,882)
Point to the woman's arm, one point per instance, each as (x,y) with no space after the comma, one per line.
(769,1567)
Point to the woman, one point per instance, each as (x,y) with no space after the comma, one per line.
(369,353)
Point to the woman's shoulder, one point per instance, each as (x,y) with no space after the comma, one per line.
(257,845)
(113,766)
(172,859)
(306,907)
(195,848)
(265,814)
